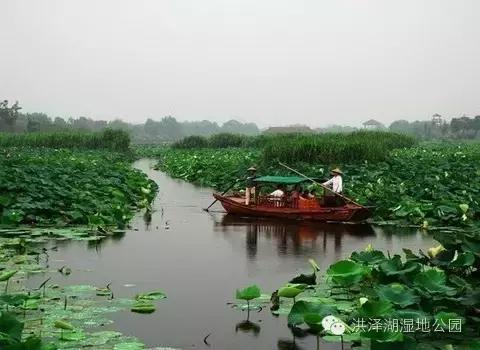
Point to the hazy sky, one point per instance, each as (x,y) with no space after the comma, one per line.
(273,62)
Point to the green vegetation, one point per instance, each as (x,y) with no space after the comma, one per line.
(429,299)
(50,186)
(355,147)
(65,180)
(115,140)
(213,168)
(427,185)
(50,316)
(323,148)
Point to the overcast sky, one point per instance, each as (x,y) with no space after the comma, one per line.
(273,62)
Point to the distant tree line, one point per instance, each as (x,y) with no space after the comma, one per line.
(458,128)
(166,129)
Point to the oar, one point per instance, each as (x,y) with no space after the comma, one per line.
(325,187)
(215,201)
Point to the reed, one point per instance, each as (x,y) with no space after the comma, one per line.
(332,148)
(116,140)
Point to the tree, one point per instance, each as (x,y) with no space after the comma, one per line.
(400,126)
(60,124)
(38,122)
(9,115)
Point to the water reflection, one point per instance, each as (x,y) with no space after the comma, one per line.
(247,326)
(296,238)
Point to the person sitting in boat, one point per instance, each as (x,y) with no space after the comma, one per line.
(278,193)
(277,196)
(295,195)
(250,185)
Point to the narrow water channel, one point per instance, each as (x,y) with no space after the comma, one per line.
(200,258)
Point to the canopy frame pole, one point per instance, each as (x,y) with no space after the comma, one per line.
(322,185)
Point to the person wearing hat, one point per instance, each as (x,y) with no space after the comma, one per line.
(336,182)
(336,185)
(250,185)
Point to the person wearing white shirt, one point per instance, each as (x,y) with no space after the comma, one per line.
(278,193)
(277,196)
(336,182)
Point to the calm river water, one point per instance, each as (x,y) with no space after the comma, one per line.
(200,258)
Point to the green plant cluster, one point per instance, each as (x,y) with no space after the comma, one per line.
(332,148)
(428,301)
(214,168)
(115,140)
(222,140)
(431,185)
(323,148)
(59,186)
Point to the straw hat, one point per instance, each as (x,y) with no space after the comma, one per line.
(336,171)
(251,169)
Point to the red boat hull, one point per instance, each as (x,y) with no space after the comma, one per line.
(346,213)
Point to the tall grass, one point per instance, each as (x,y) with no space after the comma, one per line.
(116,140)
(222,140)
(327,148)
(334,148)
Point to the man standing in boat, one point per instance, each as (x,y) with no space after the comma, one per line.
(336,185)
(250,185)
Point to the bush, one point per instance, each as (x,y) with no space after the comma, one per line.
(191,142)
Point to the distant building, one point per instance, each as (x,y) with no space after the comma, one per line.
(372,124)
(437,120)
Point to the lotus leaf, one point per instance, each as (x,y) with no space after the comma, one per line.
(302,308)
(370,257)
(314,322)
(346,272)
(248,293)
(7,275)
(75,335)
(143,307)
(463,259)
(154,295)
(10,327)
(433,282)
(380,308)
(129,346)
(398,294)
(394,267)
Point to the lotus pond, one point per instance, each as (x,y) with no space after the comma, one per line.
(169,280)
(195,259)
(427,186)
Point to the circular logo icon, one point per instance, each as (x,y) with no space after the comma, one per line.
(334,325)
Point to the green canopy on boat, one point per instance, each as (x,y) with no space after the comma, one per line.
(284,180)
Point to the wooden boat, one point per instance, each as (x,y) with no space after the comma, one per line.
(301,209)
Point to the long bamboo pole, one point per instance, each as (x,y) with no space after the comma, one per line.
(215,201)
(318,183)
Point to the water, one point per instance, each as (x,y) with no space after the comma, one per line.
(200,258)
